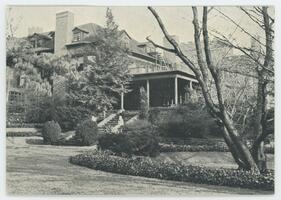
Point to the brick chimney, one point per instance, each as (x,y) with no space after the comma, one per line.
(63,34)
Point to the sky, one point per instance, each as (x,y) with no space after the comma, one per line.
(138,21)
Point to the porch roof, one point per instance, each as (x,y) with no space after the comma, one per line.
(164,74)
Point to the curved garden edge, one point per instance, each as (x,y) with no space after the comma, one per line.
(176,172)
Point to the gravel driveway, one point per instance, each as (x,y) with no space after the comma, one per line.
(44,170)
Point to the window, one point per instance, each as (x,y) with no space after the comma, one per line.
(77,36)
(34,43)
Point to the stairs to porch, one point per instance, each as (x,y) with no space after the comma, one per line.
(112,120)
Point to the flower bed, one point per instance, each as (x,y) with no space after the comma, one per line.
(170,171)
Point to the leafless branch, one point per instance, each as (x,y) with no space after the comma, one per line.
(253,18)
(159,46)
(240,27)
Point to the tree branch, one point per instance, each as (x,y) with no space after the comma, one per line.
(230,19)
(189,63)
(159,46)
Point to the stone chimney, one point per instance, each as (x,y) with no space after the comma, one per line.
(63,34)
(171,57)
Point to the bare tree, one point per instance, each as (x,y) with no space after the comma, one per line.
(263,57)
(207,73)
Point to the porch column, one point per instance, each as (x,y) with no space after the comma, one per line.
(122,99)
(147,91)
(176,90)
(190,85)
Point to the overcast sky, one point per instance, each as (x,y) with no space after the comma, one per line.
(137,21)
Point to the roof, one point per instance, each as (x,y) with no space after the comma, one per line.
(45,35)
(90,28)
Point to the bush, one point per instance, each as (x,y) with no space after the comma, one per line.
(144,107)
(186,121)
(177,172)
(69,117)
(137,138)
(117,143)
(87,132)
(51,132)
(66,115)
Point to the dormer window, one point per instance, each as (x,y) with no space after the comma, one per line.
(77,36)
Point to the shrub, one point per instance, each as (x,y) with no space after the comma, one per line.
(117,143)
(51,109)
(186,121)
(144,108)
(51,132)
(177,172)
(137,138)
(69,117)
(87,132)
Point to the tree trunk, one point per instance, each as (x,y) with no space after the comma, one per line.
(260,124)
(233,150)
(242,150)
(259,156)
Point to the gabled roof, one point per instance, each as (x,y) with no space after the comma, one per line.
(90,28)
(45,35)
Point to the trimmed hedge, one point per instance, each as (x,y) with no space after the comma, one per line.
(177,172)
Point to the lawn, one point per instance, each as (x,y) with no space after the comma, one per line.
(209,159)
(44,170)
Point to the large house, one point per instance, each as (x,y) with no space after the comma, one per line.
(165,79)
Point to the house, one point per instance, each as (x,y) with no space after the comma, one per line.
(165,80)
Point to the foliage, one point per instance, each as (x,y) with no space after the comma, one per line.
(138,138)
(177,172)
(87,132)
(144,107)
(117,143)
(105,69)
(51,132)
(190,120)
(69,117)
(50,108)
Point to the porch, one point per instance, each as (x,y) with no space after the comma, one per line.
(164,89)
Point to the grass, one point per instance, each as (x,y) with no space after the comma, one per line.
(34,169)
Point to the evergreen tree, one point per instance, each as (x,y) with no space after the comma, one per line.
(105,73)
